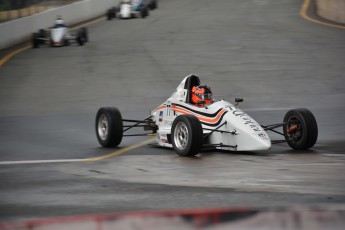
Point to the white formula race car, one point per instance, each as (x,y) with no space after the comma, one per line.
(189,128)
(59,36)
(131,9)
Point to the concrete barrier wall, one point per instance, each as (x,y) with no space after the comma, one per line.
(19,30)
(333,10)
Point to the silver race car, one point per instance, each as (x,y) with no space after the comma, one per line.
(188,126)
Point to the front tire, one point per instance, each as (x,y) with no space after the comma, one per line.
(109,126)
(80,38)
(302,132)
(186,135)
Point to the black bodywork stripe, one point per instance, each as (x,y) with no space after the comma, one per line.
(200,113)
(215,124)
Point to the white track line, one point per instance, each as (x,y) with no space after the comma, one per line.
(40,161)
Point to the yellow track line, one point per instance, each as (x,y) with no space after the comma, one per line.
(19,50)
(303,13)
(10,55)
(118,152)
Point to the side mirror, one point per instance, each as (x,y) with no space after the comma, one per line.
(238,100)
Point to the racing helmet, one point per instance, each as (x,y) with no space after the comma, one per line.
(59,20)
(201,95)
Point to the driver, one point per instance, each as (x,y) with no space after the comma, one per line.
(59,22)
(201,95)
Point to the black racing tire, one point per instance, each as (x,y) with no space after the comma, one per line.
(153,5)
(109,126)
(114,11)
(109,14)
(34,40)
(144,12)
(302,133)
(85,34)
(42,33)
(186,135)
(80,39)
(66,42)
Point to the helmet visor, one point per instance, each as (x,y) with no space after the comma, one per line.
(207,96)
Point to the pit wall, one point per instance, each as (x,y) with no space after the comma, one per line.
(333,10)
(20,30)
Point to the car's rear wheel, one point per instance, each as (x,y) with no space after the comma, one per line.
(109,126)
(153,4)
(186,135)
(85,34)
(109,14)
(35,41)
(144,12)
(302,131)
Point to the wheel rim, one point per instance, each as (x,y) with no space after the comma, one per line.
(103,127)
(294,130)
(181,136)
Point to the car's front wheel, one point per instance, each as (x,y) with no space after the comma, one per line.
(80,38)
(186,135)
(109,126)
(301,131)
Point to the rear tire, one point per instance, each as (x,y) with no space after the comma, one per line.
(34,40)
(302,133)
(109,15)
(153,5)
(85,34)
(144,12)
(186,135)
(109,126)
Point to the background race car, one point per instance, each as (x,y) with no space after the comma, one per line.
(131,9)
(59,36)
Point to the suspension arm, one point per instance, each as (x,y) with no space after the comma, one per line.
(214,130)
(137,122)
(274,126)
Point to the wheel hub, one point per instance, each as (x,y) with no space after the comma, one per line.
(181,136)
(294,130)
(103,127)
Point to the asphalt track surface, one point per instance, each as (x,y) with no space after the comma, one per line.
(261,50)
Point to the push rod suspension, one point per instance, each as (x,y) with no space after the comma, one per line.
(277,141)
(136,124)
(135,135)
(212,131)
(271,127)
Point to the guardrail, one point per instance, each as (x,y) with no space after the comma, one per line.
(20,30)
